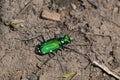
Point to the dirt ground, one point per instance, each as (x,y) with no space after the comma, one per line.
(93,25)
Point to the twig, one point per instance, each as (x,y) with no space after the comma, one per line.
(110,21)
(22,10)
(103,67)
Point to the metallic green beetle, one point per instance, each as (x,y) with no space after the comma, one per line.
(54,44)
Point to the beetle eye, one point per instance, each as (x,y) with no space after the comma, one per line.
(38,50)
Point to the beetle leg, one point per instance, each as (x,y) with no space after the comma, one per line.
(44,63)
(42,38)
(60,35)
(60,51)
(55,35)
(28,39)
(49,55)
(52,54)
(32,38)
(58,60)
(84,55)
(71,49)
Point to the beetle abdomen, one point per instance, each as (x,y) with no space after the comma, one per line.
(49,46)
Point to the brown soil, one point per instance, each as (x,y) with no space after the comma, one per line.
(94,26)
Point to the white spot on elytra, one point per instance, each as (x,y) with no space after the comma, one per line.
(50,50)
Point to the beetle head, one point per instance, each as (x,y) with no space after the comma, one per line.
(65,39)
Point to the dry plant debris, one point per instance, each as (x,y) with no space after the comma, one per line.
(51,15)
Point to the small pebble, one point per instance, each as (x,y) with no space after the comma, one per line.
(73,6)
(37,2)
(115,10)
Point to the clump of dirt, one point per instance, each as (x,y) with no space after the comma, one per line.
(92,25)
